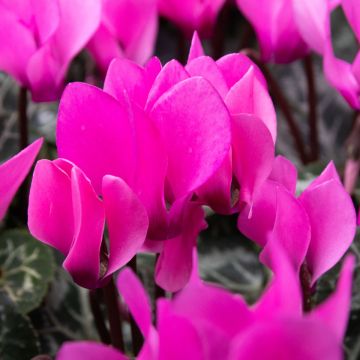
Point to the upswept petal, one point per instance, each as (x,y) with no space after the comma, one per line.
(50,214)
(235,66)
(196,49)
(195,127)
(253,154)
(333,224)
(13,173)
(136,298)
(206,67)
(88,350)
(334,311)
(171,74)
(16,46)
(285,173)
(126,219)
(83,258)
(249,96)
(174,266)
(96,133)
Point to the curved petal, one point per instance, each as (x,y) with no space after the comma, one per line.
(88,350)
(127,222)
(13,173)
(206,67)
(334,312)
(16,46)
(171,74)
(235,66)
(195,127)
(50,214)
(83,258)
(196,49)
(249,96)
(96,133)
(253,154)
(136,298)
(284,172)
(333,224)
(173,268)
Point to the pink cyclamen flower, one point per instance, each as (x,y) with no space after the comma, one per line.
(128,29)
(39,38)
(13,173)
(192,15)
(317,227)
(207,322)
(160,132)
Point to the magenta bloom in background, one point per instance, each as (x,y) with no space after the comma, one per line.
(39,38)
(128,29)
(13,173)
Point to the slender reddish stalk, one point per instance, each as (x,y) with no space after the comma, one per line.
(283,104)
(312,100)
(181,49)
(305,279)
(22,116)
(114,314)
(98,316)
(137,338)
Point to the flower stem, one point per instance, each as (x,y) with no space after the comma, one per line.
(305,279)
(137,338)
(98,317)
(313,123)
(115,320)
(22,117)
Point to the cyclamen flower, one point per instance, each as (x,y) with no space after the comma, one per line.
(192,15)
(39,38)
(13,173)
(315,228)
(128,29)
(207,322)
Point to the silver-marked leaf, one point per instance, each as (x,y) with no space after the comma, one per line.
(18,339)
(26,269)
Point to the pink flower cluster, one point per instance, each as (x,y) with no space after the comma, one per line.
(207,322)
(288,30)
(143,155)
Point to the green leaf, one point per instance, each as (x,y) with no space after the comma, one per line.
(26,269)
(18,340)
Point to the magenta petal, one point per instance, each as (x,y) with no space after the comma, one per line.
(88,350)
(174,332)
(136,298)
(173,268)
(171,74)
(125,78)
(334,311)
(285,173)
(259,225)
(13,173)
(127,222)
(291,229)
(70,28)
(195,126)
(50,214)
(104,47)
(235,66)
(286,339)
(249,96)
(196,49)
(333,223)
(83,259)
(95,132)
(352,12)
(16,46)
(329,173)
(206,67)
(253,154)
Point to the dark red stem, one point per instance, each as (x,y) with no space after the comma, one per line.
(22,116)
